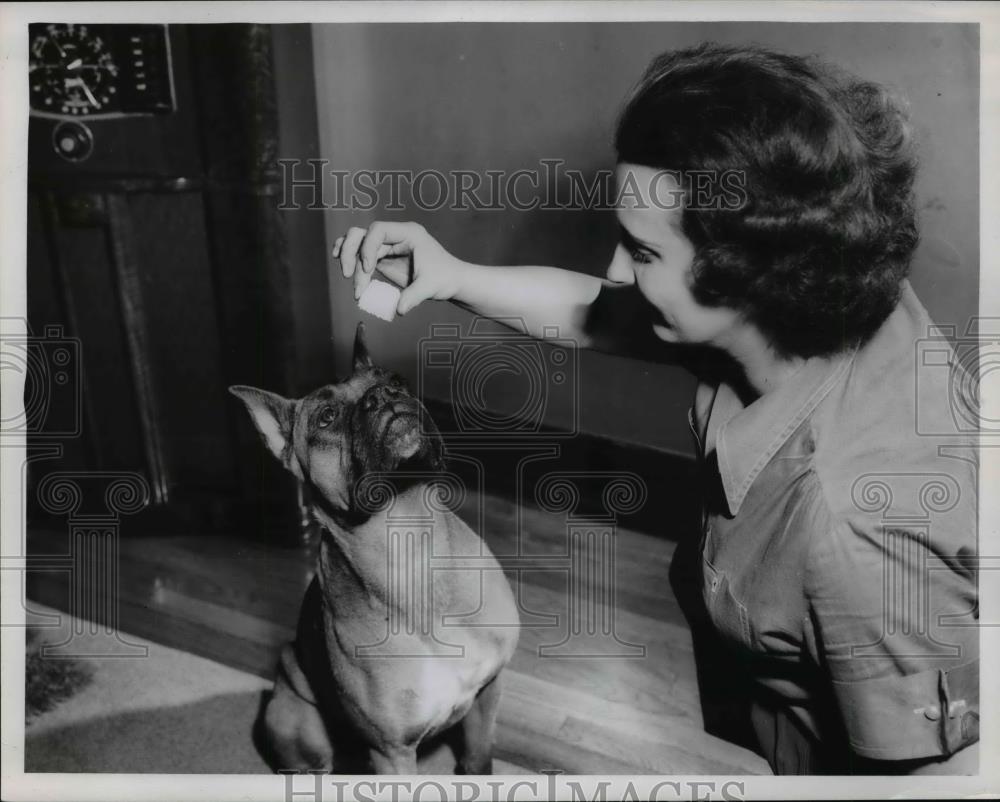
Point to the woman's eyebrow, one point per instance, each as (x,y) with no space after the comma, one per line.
(631,240)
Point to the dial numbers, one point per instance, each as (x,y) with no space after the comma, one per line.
(99,70)
(72,71)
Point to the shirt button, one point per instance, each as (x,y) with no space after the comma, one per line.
(932,712)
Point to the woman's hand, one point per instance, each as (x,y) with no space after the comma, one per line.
(407,255)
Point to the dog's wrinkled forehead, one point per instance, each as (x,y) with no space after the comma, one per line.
(329,407)
(345,392)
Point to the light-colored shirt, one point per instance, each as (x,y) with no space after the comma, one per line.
(839,549)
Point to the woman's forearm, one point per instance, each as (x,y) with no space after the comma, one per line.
(531,298)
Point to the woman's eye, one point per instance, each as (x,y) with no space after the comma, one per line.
(326,417)
(641,257)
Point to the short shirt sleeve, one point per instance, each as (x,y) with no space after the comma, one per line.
(893,621)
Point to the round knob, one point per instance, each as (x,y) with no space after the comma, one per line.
(73,141)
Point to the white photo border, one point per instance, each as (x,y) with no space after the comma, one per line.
(14,19)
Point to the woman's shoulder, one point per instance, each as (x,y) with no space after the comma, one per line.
(896,422)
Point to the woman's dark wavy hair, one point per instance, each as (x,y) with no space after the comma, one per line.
(817,253)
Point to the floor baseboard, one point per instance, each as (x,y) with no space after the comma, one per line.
(515,466)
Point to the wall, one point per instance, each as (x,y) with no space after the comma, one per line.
(505,96)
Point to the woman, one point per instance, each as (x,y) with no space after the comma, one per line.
(846,590)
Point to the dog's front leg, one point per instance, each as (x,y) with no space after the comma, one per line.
(479,731)
(395,760)
(296,736)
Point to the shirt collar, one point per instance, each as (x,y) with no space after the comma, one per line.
(748,437)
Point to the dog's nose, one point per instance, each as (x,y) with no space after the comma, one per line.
(379,395)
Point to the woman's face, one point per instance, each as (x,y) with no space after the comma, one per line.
(654,254)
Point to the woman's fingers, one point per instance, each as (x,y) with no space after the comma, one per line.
(378,241)
(383,245)
(395,235)
(361,281)
(348,251)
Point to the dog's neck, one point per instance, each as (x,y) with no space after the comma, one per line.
(354,557)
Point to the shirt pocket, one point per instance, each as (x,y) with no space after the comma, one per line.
(728,614)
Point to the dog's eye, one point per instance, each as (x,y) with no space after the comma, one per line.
(326,417)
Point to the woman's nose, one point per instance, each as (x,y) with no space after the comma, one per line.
(620,270)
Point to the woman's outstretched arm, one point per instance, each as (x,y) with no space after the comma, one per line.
(583,308)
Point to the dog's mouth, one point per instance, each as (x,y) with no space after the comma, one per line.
(395,412)
(397,420)
(401,433)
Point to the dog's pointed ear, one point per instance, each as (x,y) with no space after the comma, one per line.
(272,415)
(362,359)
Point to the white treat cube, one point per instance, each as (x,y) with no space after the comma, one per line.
(380,299)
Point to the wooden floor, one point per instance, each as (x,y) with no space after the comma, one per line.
(604,713)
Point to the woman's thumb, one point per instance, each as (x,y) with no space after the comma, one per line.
(396,269)
(412,295)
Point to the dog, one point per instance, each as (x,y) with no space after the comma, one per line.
(376,668)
